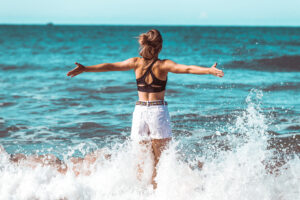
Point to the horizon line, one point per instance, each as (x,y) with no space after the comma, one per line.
(174,25)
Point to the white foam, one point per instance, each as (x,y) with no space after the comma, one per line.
(239,173)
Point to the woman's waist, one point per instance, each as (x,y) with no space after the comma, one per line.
(146,96)
(151,103)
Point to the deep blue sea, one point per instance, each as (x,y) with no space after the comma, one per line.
(238,125)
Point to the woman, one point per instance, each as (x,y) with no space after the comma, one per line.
(151,121)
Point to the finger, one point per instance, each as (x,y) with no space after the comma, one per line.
(74,71)
(215,65)
(77,64)
(74,74)
(69,73)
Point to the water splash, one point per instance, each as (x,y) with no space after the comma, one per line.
(240,171)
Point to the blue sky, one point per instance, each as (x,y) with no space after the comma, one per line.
(161,12)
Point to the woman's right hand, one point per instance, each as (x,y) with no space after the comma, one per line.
(78,70)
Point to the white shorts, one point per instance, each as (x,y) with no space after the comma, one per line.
(151,122)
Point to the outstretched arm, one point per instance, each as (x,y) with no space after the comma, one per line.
(171,66)
(104,67)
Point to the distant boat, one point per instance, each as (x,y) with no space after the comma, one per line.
(50,24)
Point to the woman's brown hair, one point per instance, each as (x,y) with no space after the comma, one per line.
(151,44)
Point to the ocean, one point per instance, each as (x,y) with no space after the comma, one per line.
(244,127)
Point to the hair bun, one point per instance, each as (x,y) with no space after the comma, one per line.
(151,44)
(144,40)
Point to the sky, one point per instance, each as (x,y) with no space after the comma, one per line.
(154,12)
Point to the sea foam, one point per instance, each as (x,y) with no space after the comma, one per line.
(247,169)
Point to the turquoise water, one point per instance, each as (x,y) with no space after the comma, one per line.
(44,111)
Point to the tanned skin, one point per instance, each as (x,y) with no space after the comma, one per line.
(161,68)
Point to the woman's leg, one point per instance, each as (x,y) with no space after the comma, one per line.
(144,148)
(158,145)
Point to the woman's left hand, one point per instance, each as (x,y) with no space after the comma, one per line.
(78,70)
(215,71)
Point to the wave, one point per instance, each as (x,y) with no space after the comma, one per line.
(6,130)
(103,112)
(247,162)
(107,90)
(294,127)
(282,63)
(285,144)
(6,67)
(283,86)
(6,104)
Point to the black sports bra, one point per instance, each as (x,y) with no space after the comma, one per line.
(156,85)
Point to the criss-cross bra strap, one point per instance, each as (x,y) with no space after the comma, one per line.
(160,85)
(149,70)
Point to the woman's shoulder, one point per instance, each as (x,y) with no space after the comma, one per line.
(136,60)
(132,61)
(165,62)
